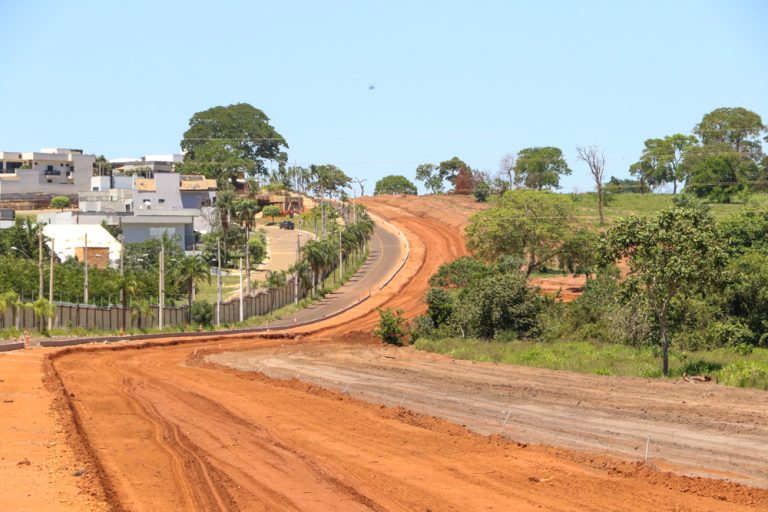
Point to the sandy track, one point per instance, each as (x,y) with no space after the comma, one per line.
(170,432)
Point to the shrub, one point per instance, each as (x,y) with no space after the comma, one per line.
(60,202)
(202,312)
(439,306)
(745,374)
(393,328)
(498,303)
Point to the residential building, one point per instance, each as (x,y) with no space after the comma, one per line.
(50,172)
(70,241)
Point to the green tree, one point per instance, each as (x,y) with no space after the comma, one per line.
(482,191)
(432,179)
(439,306)
(738,128)
(459,273)
(540,168)
(393,327)
(43,311)
(271,211)
(669,255)
(718,173)
(498,303)
(226,142)
(202,313)
(188,272)
(395,184)
(274,281)
(661,161)
(434,176)
(528,224)
(60,202)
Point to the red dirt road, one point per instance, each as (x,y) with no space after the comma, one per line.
(164,430)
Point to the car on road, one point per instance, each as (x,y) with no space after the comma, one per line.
(286,224)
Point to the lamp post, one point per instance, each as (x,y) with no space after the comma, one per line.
(240,264)
(161,286)
(218,281)
(50,285)
(85,279)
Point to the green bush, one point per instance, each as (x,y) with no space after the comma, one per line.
(745,374)
(202,312)
(393,328)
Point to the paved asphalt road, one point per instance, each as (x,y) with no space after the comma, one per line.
(383,258)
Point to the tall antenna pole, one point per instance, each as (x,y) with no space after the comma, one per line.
(85,260)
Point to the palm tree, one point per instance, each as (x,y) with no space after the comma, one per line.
(143,312)
(189,271)
(246,209)
(252,186)
(43,311)
(317,256)
(275,279)
(10,299)
(303,272)
(130,287)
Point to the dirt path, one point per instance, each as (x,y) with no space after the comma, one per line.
(168,431)
(695,429)
(172,435)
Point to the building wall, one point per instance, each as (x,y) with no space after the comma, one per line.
(141,232)
(48,172)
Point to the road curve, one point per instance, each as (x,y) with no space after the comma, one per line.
(384,256)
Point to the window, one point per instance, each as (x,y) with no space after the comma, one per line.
(161,201)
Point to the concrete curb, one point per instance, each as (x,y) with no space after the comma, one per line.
(7,347)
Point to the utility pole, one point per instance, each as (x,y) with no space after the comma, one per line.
(161,286)
(122,275)
(218,281)
(296,272)
(248,257)
(41,280)
(240,264)
(85,260)
(50,286)
(341,262)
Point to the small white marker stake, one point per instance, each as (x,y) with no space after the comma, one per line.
(647,444)
(505,422)
(345,389)
(402,401)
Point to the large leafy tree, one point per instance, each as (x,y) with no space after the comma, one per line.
(226,142)
(661,161)
(528,224)
(540,168)
(669,256)
(435,176)
(736,127)
(730,157)
(395,184)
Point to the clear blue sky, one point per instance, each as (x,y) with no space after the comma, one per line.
(476,79)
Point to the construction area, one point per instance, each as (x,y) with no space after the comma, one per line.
(322,417)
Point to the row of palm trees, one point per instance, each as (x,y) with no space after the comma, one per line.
(320,256)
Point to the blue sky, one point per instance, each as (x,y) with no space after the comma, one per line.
(475,80)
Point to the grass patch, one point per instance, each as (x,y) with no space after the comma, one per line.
(626,204)
(726,365)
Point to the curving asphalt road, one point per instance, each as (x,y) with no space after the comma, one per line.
(384,255)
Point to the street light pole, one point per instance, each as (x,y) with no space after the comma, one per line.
(50,286)
(85,260)
(41,280)
(240,264)
(218,281)
(296,273)
(161,287)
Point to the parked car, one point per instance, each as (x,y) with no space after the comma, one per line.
(286,224)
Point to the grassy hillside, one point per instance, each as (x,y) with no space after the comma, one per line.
(626,204)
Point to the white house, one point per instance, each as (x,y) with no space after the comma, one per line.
(51,171)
